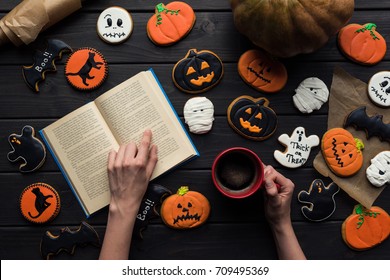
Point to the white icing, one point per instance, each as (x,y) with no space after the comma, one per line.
(379,88)
(378,173)
(199,114)
(310,95)
(298,148)
(114,25)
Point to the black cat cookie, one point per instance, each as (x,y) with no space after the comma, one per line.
(320,199)
(27,148)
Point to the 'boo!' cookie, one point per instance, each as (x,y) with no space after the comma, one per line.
(379,89)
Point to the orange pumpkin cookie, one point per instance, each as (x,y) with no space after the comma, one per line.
(366,228)
(261,71)
(170,23)
(342,152)
(86,69)
(185,209)
(362,43)
(39,203)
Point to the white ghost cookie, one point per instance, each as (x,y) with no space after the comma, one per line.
(378,173)
(310,95)
(114,25)
(199,114)
(379,89)
(298,148)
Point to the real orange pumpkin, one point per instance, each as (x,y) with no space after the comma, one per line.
(185,209)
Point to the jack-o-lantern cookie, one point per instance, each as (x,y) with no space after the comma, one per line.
(199,114)
(114,25)
(197,71)
(378,173)
(170,23)
(28,148)
(185,209)
(310,95)
(261,71)
(252,118)
(379,89)
(86,69)
(39,203)
(342,152)
(362,43)
(366,228)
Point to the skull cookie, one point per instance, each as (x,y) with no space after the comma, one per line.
(114,25)
(378,173)
(199,114)
(310,95)
(379,88)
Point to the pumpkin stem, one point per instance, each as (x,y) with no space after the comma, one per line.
(362,211)
(370,27)
(359,144)
(160,8)
(183,190)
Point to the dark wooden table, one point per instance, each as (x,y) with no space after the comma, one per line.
(236,229)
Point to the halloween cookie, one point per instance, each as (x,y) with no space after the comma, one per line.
(199,114)
(197,71)
(261,71)
(27,148)
(170,23)
(185,209)
(342,152)
(320,199)
(378,173)
(114,25)
(252,118)
(86,69)
(379,89)
(298,148)
(39,203)
(310,95)
(362,43)
(366,228)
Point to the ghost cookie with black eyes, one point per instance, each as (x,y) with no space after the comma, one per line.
(199,114)
(378,173)
(310,95)
(114,25)
(379,89)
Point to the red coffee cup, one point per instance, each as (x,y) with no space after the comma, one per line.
(237,172)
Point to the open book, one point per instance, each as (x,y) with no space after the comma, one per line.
(80,141)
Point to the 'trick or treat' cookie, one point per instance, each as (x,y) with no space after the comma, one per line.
(199,114)
(379,89)
(114,25)
(170,23)
(86,69)
(39,203)
(320,199)
(261,71)
(198,71)
(298,148)
(310,95)
(378,173)
(252,118)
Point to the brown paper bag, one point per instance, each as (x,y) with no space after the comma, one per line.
(346,94)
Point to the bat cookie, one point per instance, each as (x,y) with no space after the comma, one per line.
(44,61)
(27,148)
(378,173)
(320,199)
(67,240)
(379,89)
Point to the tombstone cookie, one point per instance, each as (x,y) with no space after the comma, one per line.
(298,148)
(27,148)
(379,89)
(378,173)
(114,25)
(310,95)
(199,114)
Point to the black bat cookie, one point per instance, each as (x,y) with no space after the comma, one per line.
(68,240)
(373,126)
(321,200)
(43,62)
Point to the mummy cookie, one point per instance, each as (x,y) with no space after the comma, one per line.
(320,199)
(199,114)
(379,89)
(114,25)
(378,173)
(298,148)
(310,95)
(27,148)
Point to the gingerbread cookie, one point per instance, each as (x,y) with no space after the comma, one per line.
(310,95)
(199,114)
(261,71)
(39,203)
(170,23)
(379,89)
(366,228)
(378,173)
(86,69)
(320,199)
(197,71)
(362,43)
(342,152)
(114,25)
(252,118)
(27,148)
(298,148)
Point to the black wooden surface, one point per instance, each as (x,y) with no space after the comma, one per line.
(235,229)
